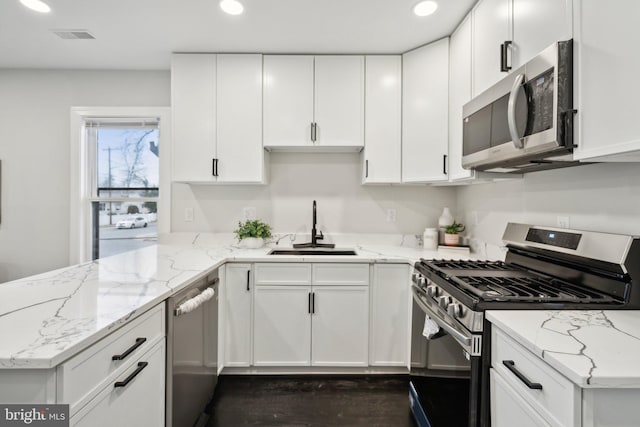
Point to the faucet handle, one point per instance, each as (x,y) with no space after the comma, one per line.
(320,237)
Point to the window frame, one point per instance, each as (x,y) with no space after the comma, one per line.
(83,178)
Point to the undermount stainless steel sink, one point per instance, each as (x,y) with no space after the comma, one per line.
(312,251)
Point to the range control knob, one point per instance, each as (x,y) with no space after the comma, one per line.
(444,301)
(432,291)
(454,310)
(414,277)
(422,281)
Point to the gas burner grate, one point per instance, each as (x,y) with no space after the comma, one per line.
(467,265)
(530,289)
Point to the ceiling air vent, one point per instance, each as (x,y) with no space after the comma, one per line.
(73,34)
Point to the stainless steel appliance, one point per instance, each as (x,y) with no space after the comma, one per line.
(545,268)
(192,352)
(524,123)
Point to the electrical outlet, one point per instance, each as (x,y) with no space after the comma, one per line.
(188,214)
(563,222)
(391,215)
(249,212)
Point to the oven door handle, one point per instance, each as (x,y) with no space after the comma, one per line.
(457,335)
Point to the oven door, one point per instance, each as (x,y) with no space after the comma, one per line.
(445,376)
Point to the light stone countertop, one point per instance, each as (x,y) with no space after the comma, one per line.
(592,348)
(47,318)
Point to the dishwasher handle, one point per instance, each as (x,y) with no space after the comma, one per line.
(193,303)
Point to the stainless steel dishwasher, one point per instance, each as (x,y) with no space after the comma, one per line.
(192,352)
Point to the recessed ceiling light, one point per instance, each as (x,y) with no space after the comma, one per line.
(37,5)
(232,7)
(425,8)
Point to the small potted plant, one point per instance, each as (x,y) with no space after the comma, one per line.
(451,237)
(252,233)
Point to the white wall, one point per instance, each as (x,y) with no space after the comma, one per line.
(34,149)
(598,197)
(296,179)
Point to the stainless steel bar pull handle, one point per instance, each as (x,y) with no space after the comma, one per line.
(511,111)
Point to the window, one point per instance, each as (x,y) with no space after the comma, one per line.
(124,177)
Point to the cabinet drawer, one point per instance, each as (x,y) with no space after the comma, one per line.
(559,399)
(138,401)
(86,372)
(283,274)
(341,274)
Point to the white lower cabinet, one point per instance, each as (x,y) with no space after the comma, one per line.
(133,356)
(557,401)
(311,315)
(508,408)
(238,309)
(550,398)
(390,299)
(134,399)
(282,326)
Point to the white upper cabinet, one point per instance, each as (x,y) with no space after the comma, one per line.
(425,94)
(536,25)
(383,120)
(216,105)
(526,26)
(459,94)
(491,29)
(339,100)
(605,47)
(240,157)
(313,101)
(288,100)
(193,112)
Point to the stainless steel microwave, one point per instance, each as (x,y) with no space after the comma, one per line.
(524,123)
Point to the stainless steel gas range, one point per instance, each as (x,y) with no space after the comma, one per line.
(545,268)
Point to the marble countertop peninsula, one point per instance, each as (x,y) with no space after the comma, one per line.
(593,348)
(47,318)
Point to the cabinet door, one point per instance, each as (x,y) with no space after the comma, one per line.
(282,326)
(537,25)
(459,94)
(607,64)
(193,112)
(339,100)
(340,326)
(139,403)
(425,97)
(239,118)
(390,323)
(508,408)
(491,28)
(383,119)
(238,308)
(288,100)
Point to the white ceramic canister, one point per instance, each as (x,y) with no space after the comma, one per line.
(430,238)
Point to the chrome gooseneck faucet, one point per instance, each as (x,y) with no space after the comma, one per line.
(314,234)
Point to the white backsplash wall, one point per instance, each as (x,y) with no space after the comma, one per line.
(598,197)
(296,179)
(34,149)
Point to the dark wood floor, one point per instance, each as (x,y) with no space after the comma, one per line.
(311,401)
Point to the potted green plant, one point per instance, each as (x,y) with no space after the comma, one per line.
(451,237)
(252,233)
